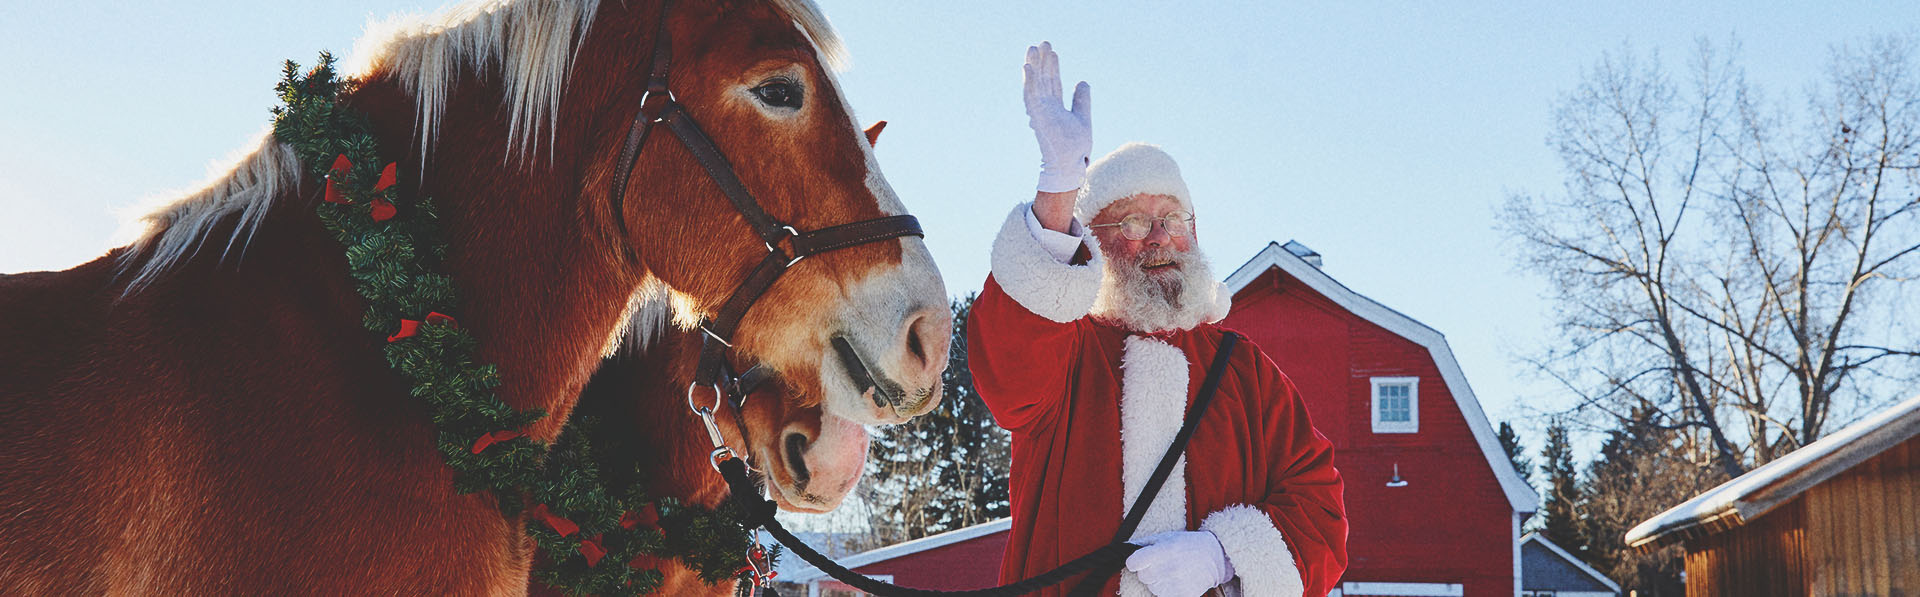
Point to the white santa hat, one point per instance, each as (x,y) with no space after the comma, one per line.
(1133,169)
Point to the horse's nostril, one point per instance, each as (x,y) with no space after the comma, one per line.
(923,329)
(796,457)
(914,345)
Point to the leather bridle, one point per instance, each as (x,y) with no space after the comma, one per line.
(659,106)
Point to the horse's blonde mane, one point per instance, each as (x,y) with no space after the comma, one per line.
(529,44)
(176,230)
(826,44)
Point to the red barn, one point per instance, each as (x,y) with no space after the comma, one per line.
(956,560)
(1434,504)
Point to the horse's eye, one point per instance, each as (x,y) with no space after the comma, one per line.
(779,94)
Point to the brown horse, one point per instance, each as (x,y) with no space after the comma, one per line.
(637,399)
(202,412)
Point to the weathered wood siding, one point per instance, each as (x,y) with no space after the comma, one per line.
(1863,527)
(1857,534)
(1764,557)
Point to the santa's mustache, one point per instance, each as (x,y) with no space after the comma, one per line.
(1161,255)
(1157,288)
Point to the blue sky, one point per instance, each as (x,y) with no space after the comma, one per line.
(1382,134)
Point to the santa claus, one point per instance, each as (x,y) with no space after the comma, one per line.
(1089,341)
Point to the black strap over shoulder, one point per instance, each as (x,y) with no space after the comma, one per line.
(1098,577)
(1100,564)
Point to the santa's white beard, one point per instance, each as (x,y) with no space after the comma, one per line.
(1160,301)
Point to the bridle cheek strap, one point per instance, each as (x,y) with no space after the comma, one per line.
(658,106)
(643,119)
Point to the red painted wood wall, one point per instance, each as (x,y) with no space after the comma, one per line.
(1451,523)
(969,564)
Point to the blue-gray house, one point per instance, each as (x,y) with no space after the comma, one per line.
(1546,570)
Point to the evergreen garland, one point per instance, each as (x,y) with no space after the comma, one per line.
(622,525)
(588,534)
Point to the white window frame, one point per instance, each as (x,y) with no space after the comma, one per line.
(1412,424)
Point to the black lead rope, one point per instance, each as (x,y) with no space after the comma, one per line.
(1094,581)
(1101,563)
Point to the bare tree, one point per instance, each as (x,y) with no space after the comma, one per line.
(1728,266)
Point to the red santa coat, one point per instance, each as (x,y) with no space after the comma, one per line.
(1093,407)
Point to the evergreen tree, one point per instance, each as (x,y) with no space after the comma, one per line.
(944,470)
(1559,513)
(1516,453)
(1642,469)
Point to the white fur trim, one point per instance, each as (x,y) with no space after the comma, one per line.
(1045,286)
(1133,169)
(1153,405)
(1257,550)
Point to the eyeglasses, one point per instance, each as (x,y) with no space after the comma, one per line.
(1137,226)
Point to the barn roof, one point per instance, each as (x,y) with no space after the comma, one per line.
(1762,489)
(867,558)
(1550,568)
(1519,495)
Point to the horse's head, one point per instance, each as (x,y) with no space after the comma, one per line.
(811,459)
(752,75)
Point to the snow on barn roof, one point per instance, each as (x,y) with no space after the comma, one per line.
(1520,495)
(1762,489)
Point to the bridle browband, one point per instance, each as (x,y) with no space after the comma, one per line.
(659,106)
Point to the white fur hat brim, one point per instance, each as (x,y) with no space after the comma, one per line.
(1133,169)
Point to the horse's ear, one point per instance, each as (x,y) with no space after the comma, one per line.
(873,132)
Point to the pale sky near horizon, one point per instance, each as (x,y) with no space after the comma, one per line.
(1382,134)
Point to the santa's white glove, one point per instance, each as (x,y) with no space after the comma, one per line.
(1066,137)
(1181,563)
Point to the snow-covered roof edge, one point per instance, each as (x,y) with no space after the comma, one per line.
(1520,495)
(867,558)
(1535,537)
(1762,489)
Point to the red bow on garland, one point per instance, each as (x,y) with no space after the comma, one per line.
(409,327)
(381,209)
(336,175)
(591,550)
(559,525)
(494,437)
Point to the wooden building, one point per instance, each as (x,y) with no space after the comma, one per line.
(1434,506)
(1840,516)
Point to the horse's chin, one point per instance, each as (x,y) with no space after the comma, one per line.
(811,470)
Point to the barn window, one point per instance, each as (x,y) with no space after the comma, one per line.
(1396,404)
